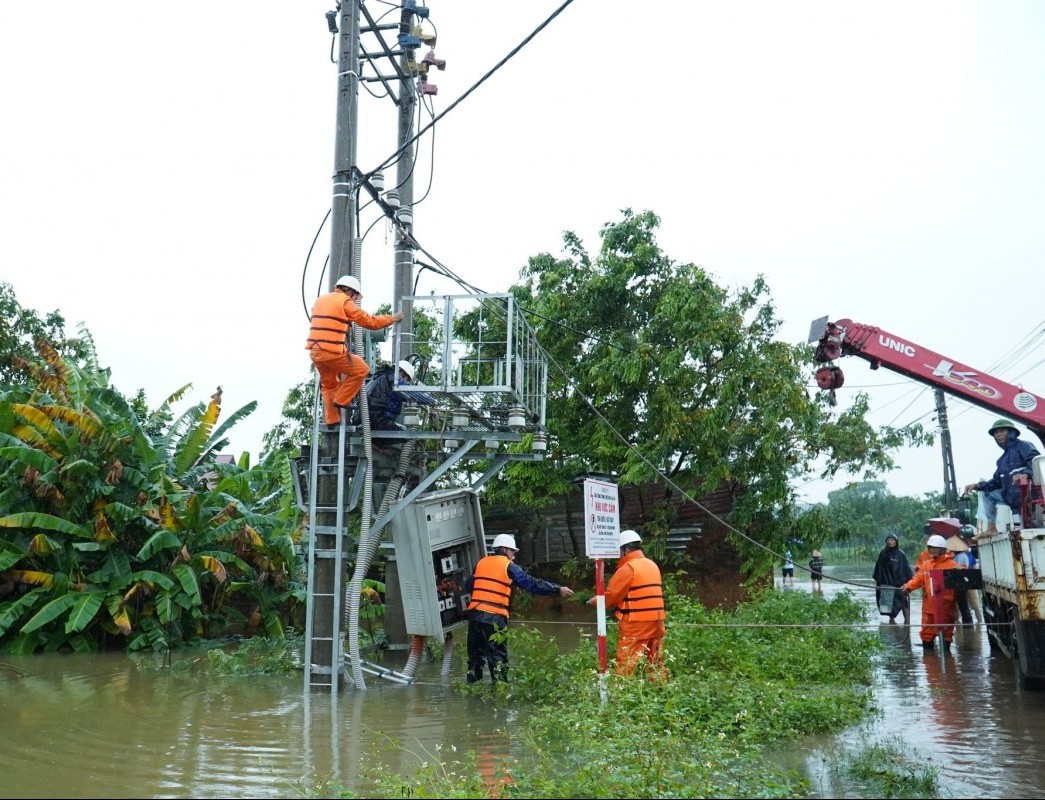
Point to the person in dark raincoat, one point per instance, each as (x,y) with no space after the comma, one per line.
(892,569)
(1015,461)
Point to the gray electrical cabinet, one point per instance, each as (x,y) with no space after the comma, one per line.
(438,539)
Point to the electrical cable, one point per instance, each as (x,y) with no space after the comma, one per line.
(392,158)
(304,270)
(431,172)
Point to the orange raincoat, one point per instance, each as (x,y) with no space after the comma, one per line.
(341,374)
(636,592)
(922,579)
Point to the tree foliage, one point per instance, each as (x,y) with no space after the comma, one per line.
(21,327)
(658,373)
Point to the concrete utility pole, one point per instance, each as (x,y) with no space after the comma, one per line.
(327,621)
(950,483)
(404,249)
(343,261)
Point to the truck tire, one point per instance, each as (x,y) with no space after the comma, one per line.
(1030,677)
(1023,681)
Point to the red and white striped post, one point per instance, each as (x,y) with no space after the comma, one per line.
(600,615)
(602,536)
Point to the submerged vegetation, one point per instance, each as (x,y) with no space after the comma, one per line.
(783,666)
(882,769)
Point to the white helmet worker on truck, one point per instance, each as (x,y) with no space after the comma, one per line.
(490,589)
(1015,461)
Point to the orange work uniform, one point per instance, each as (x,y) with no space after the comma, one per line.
(341,374)
(637,594)
(931,626)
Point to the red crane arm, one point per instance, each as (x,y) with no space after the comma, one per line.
(884,349)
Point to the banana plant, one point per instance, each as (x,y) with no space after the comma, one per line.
(110,537)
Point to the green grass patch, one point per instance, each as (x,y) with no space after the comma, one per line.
(780,667)
(882,769)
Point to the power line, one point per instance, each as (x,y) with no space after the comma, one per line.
(392,158)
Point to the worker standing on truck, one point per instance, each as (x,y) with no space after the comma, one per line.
(939,606)
(1004,487)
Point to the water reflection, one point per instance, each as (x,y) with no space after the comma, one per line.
(100,726)
(961,711)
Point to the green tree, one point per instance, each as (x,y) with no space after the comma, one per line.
(861,514)
(656,369)
(294,428)
(20,328)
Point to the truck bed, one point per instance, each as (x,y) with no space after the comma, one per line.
(1013,565)
(1013,569)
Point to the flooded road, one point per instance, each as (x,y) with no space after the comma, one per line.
(81,726)
(99,726)
(963,712)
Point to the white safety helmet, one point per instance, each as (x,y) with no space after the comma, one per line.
(350,282)
(628,537)
(504,540)
(408,368)
(936,541)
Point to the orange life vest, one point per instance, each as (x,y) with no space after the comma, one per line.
(645,598)
(491,586)
(329,322)
(923,580)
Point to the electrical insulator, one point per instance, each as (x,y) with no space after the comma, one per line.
(431,60)
(414,8)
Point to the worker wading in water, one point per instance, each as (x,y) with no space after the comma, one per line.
(490,588)
(939,606)
(637,594)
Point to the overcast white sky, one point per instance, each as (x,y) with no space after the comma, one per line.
(165,169)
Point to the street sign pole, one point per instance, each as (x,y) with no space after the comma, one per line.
(602,533)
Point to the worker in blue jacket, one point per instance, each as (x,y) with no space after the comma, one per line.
(1016,460)
(383,399)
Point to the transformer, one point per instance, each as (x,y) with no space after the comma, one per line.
(436,542)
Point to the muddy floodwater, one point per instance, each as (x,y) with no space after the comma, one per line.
(107,725)
(963,711)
